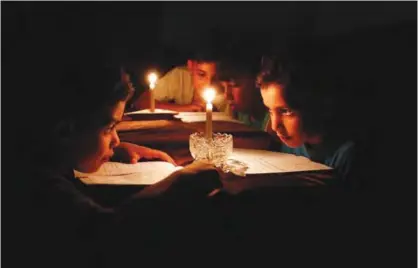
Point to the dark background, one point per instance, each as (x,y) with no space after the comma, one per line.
(375,40)
(162,34)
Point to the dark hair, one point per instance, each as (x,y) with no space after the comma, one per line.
(204,54)
(86,87)
(231,68)
(310,86)
(78,90)
(60,71)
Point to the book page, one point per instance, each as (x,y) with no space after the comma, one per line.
(136,125)
(261,162)
(148,111)
(191,117)
(142,173)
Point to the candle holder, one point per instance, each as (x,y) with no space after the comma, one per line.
(216,150)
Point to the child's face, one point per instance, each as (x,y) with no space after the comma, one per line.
(203,74)
(96,146)
(242,94)
(286,123)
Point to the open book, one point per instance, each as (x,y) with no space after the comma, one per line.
(262,162)
(191,117)
(146,173)
(142,173)
(148,111)
(146,114)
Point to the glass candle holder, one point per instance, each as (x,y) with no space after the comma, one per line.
(217,150)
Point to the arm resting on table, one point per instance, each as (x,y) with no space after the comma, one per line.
(143,102)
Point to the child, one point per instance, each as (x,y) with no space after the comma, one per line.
(301,95)
(78,109)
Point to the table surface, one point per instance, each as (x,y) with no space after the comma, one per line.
(172,136)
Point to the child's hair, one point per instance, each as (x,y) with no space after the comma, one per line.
(61,88)
(204,54)
(310,86)
(60,71)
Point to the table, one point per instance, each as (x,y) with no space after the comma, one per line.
(260,195)
(172,136)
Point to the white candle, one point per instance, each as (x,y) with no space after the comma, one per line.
(152,100)
(209,96)
(152,78)
(209,108)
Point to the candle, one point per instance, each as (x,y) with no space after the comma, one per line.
(209,96)
(152,78)
(209,108)
(228,96)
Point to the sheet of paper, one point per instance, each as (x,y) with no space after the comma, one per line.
(142,173)
(184,114)
(143,124)
(191,117)
(260,162)
(156,111)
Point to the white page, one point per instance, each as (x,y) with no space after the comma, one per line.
(260,162)
(182,114)
(142,173)
(148,111)
(199,114)
(191,117)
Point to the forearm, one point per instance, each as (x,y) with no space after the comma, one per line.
(159,188)
(127,148)
(143,102)
(124,144)
(197,179)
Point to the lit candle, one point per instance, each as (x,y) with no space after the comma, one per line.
(152,78)
(209,96)
(228,96)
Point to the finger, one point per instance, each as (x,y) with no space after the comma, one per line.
(204,162)
(171,160)
(168,159)
(134,157)
(199,165)
(203,165)
(165,157)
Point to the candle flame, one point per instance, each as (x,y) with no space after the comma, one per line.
(152,78)
(209,95)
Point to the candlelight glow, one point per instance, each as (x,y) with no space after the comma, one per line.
(152,78)
(209,95)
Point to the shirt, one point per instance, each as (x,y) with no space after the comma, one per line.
(338,155)
(177,86)
(250,121)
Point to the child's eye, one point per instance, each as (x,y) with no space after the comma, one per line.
(201,74)
(286,111)
(110,128)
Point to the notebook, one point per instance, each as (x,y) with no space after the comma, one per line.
(141,173)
